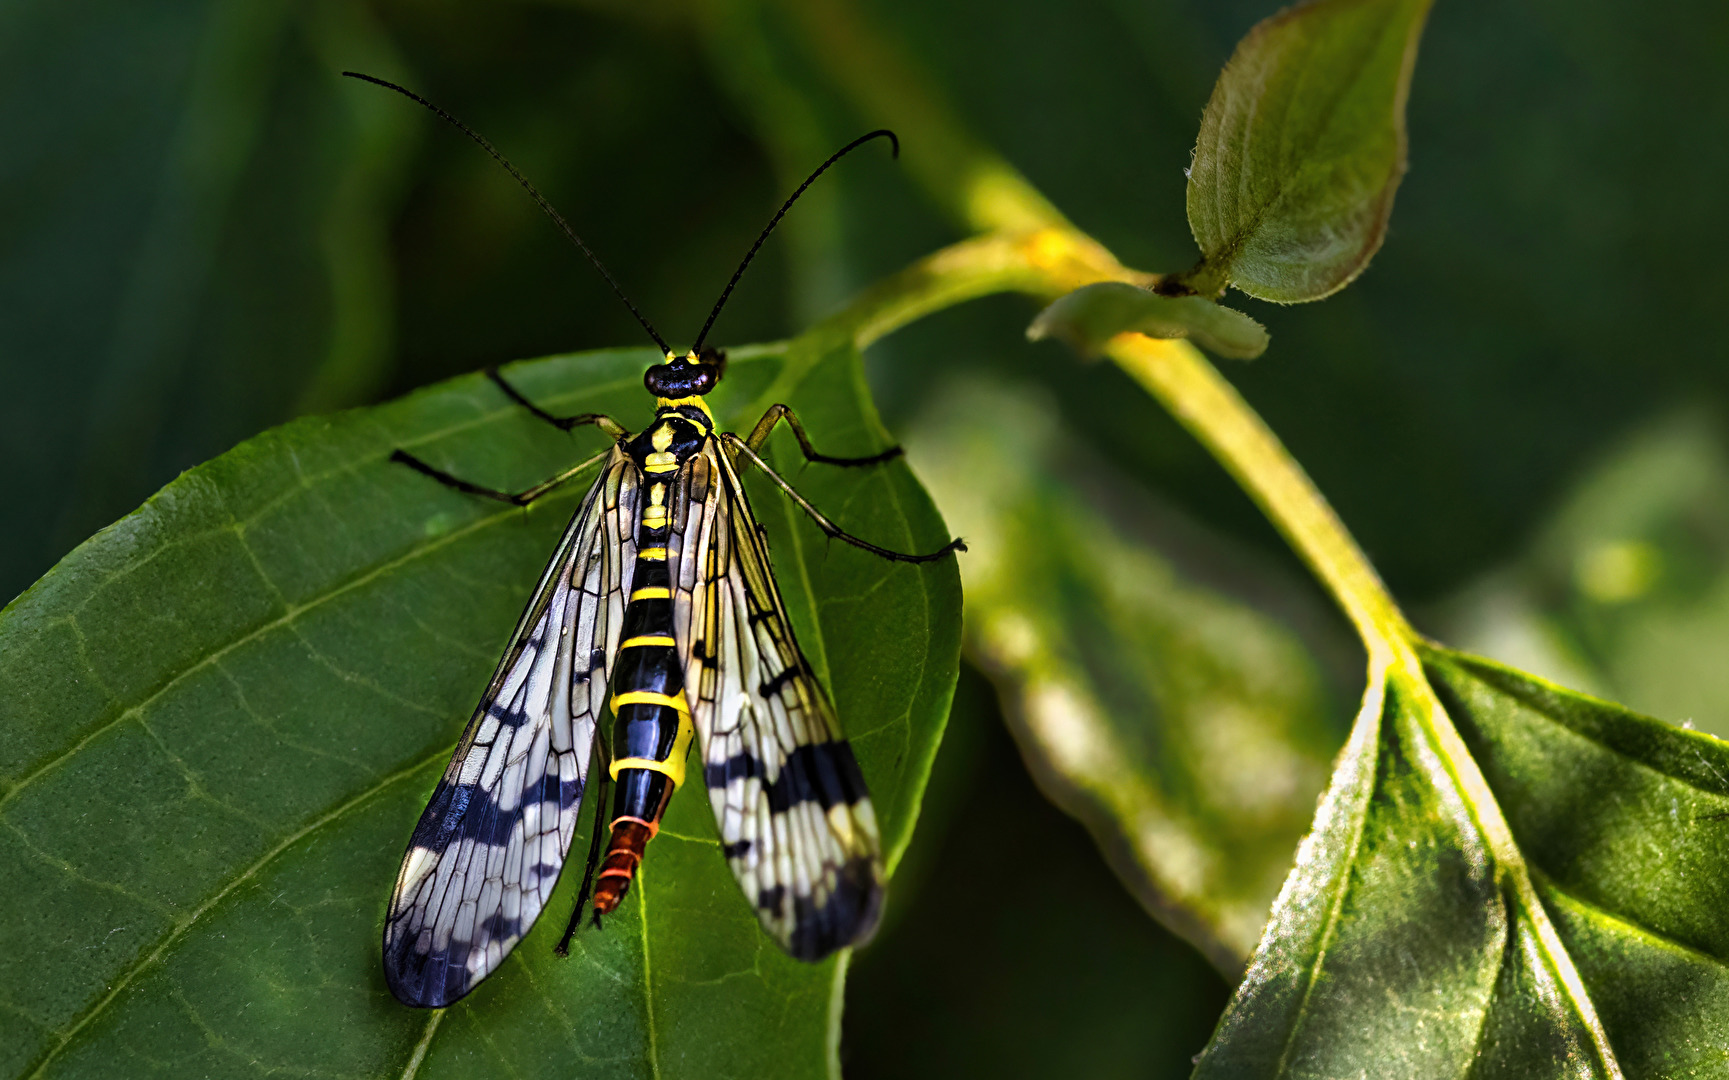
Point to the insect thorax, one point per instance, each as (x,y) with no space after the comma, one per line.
(679,428)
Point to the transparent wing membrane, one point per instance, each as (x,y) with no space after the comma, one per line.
(794,817)
(488,849)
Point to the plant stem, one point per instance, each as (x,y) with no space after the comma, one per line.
(1207,405)
(1047,263)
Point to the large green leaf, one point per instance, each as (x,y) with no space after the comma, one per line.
(1507,879)
(1187,731)
(222,716)
(1301,148)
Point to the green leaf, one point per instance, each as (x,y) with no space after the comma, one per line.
(1507,879)
(1093,314)
(1187,731)
(223,714)
(1301,148)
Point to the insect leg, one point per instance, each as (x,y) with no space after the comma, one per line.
(777,413)
(563,946)
(562,423)
(518,498)
(828,527)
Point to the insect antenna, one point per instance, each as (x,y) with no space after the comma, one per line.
(778,214)
(534,193)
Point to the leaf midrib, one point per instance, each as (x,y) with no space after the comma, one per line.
(1513,870)
(425,1044)
(1602,914)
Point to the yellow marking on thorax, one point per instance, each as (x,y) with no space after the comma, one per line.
(652,554)
(662,460)
(654,514)
(647,639)
(651,592)
(662,404)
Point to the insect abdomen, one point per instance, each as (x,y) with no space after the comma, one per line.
(652,729)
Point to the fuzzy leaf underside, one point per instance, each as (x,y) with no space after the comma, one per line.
(1402,946)
(1302,147)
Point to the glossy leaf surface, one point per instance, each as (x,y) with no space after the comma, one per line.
(1301,148)
(224,713)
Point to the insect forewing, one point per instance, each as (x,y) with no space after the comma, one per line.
(488,849)
(790,803)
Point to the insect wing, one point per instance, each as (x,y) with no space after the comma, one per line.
(789,801)
(487,852)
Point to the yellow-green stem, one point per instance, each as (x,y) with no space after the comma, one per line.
(1047,263)
(1028,246)
(1211,409)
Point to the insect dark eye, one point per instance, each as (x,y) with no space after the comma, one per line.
(680,379)
(661,381)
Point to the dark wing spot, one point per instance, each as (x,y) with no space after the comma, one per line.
(427,979)
(444,812)
(826,773)
(500,928)
(772,899)
(848,918)
(569,791)
(736,851)
(773,686)
(463,810)
(488,824)
(505,715)
(738,767)
(596,661)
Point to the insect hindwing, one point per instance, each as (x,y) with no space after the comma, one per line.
(487,852)
(789,801)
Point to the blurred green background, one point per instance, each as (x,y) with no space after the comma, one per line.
(1518,409)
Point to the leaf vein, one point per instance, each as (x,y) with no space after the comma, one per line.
(124,979)
(285,619)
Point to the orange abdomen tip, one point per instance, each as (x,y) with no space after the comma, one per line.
(624,852)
